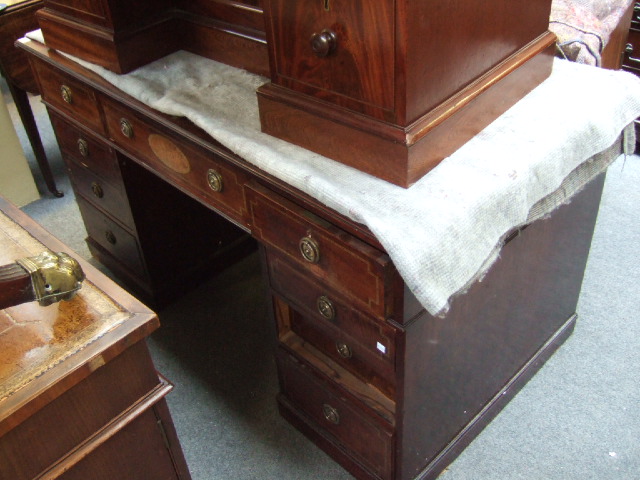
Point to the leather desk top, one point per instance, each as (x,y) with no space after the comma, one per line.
(44,351)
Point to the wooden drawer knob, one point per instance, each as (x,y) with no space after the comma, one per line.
(309,249)
(214,180)
(126,128)
(324,43)
(67,94)
(326,308)
(83,147)
(331,414)
(97,190)
(343,350)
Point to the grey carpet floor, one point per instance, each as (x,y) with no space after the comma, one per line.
(577,419)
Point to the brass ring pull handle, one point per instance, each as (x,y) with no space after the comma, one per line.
(628,49)
(83,147)
(214,180)
(309,249)
(331,414)
(96,188)
(111,238)
(343,350)
(126,128)
(326,308)
(324,43)
(67,94)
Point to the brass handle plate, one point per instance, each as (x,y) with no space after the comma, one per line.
(331,414)
(214,180)
(309,249)
(126,128)
(111,238)
(97,190)
(83,147)
(324,43)
(344,350)
(67,94)
(326,308)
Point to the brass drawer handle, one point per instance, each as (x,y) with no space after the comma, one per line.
(67,94)
(309,249)
(324,43)
(126,128)
(111,238)
(83,147)
(331,414)
(628,49)
(214,180)
(326,308)
(97,190)
(343,350)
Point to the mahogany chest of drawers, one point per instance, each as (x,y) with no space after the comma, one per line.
(388,390)
(388,87)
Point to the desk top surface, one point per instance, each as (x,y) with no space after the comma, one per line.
(54,347)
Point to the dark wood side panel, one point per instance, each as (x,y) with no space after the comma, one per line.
(502,322)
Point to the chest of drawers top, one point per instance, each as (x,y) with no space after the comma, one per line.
(388,87)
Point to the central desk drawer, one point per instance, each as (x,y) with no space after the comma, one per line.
(324,252)
(187,166)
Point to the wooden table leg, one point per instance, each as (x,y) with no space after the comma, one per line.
(26,115)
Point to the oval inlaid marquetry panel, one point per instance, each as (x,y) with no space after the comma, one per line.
(169,153)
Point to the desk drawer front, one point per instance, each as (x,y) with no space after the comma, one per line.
(69,96)
(325,307)
(101,194)
(339,49)
(86,150)
(195,171)
(113,238)
(330,412)
(324,252)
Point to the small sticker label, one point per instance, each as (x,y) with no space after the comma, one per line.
(381,347)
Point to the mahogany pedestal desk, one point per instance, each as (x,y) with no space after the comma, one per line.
(79,395)
(18,19)
(389,391)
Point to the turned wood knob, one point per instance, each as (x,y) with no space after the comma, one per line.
(110,236)
(324,43)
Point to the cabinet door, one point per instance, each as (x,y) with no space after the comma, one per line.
(335,48)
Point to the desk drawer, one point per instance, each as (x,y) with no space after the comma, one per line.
(113,238)
(101,194)
(360,272)
(344,50)
(367,439)
(86,150)
(69,96)
(360,344)
(192,169)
